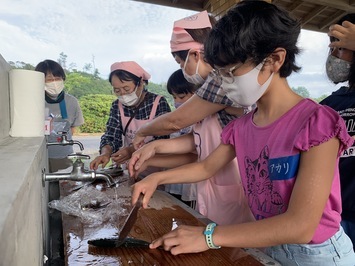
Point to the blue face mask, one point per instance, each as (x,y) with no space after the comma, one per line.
(177,105)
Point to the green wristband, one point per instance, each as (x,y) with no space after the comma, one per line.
(208,234)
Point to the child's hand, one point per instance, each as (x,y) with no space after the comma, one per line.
(146,186)
(139,157)
(183,239)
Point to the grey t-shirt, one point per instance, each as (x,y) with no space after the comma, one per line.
(75,119)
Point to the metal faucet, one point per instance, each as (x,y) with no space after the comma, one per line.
(64,141)
(79,173)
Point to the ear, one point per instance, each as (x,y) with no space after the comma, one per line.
(140,82)
(196,54)
(277,59)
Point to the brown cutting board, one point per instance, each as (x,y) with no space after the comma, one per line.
(151,223)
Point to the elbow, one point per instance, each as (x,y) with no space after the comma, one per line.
(302,232)
(304,236)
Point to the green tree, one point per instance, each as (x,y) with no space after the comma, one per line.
(302,91)
(96,110)
(161,89)
(319,99)
(79,84)
(21,65)
(62,60)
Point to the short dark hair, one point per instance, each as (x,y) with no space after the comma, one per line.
(51,67)
(351,77)
(199,35)
(124,75)
(178,84)
(253,30)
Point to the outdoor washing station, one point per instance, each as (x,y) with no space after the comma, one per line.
(34,234)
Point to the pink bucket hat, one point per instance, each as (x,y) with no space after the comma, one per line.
(180,39)
(131,67)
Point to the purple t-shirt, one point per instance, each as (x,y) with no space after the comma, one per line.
(269,157)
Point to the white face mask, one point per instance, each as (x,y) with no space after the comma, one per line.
(129,99)
(195,78)
(54,88)
(245,90)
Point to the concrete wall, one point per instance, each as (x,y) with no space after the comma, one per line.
(4,98)
(22,197)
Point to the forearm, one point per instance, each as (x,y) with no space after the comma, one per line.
(106,150)
(180,145)
(172,161)
(191,112)
(188,173)
(198,171)
(277,230)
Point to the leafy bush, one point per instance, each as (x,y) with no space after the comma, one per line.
(96,110)
(161,89)
(80,84)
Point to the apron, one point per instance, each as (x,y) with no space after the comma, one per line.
(187,191)
(220,198)
(134,125)
(60,124)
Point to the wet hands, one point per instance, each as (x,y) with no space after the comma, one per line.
(146,186)
(102,159)
(138,141)
(117,158)
(183,239)
(122,155)
(138,162)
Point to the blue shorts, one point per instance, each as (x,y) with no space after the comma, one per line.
(337,250)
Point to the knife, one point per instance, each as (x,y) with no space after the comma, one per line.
(131,219)
(114,243)
(122,239)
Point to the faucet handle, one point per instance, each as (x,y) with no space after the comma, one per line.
(78,156)
(63,136)
(63,133)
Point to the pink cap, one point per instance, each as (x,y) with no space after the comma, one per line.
(180,39)
(131,67)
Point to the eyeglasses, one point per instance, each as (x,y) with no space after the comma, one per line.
(225,74)
(51,79)
(124,90)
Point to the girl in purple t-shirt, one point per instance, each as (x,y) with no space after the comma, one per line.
(288,148)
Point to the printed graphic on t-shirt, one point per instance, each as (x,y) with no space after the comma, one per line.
(349,152)
(261,174)
(348,115)
(130,134)
(284,168)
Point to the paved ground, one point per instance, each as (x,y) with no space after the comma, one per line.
(91,144)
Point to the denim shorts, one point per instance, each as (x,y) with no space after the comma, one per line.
(337,250)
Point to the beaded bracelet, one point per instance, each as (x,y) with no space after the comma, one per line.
(208,234)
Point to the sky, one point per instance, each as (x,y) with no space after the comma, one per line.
(101,32)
